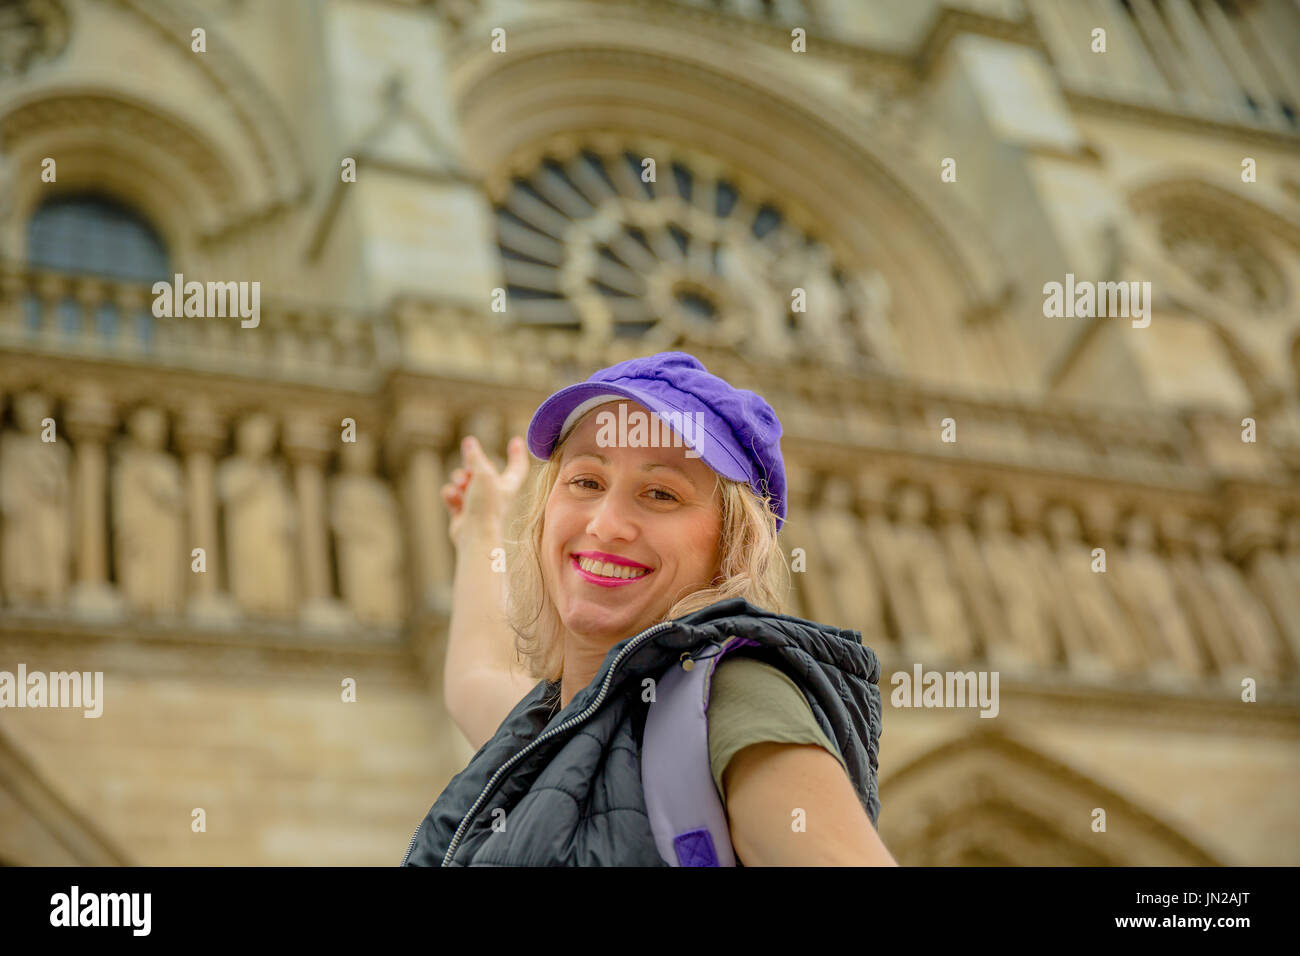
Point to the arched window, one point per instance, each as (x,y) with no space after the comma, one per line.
(92,234)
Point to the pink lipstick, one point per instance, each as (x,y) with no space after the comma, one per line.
(612,559)
(607,582)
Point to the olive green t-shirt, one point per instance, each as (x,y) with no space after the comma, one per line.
(751,702)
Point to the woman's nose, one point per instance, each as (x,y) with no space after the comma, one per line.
(612,518)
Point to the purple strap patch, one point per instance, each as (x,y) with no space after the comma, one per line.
(695,848)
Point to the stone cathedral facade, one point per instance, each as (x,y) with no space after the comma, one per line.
(446,208)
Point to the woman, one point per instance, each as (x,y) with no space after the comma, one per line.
(642,551)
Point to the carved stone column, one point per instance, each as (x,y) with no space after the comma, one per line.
(131,301)
(91,420)
(89,294)
(200,435)
(51,292)
(419,436)
(307,444)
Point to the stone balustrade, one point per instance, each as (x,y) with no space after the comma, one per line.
(74,314)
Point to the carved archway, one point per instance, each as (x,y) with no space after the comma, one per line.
(156,162)
(264,123)
(989,800)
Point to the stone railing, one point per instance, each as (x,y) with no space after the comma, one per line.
(75,314)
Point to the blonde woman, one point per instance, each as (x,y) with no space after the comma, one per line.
(635,694)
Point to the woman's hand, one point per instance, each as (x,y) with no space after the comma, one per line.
(482,676)
(478,496)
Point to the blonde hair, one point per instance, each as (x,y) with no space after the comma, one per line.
(751,565)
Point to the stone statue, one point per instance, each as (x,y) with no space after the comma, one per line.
(367,529)
(149,518)
(823,335)
(987,621)
(1030,641)
(930,580)
(1110,633)
(1083,655)
(261,525)
(851,576)
(1147,590)
(870,301)
(746,275)
(34,507)
(1248,625)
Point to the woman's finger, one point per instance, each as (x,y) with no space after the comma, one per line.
(476,457)
(517,455)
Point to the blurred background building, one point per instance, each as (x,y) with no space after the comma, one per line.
(225,156)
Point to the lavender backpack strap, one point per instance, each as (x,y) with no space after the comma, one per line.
(686,813)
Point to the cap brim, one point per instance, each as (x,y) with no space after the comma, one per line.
(546,427)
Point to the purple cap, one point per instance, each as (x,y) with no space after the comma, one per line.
(734,430)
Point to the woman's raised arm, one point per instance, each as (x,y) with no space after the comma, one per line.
(483,679)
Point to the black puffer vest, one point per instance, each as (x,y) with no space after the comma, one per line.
(564,789)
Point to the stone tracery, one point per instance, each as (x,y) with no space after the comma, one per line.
(686,260)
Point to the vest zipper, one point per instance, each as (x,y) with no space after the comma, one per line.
(572,721)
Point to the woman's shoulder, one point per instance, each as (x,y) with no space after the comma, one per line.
(737,671)
(752,702)
(748,688)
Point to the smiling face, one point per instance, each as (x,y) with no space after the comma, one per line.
(654,513)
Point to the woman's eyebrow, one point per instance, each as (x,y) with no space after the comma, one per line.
(672,467)
(647,467)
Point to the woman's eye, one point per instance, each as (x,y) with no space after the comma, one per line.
(578,481)
(660,491)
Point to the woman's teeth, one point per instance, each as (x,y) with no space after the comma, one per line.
(606,570)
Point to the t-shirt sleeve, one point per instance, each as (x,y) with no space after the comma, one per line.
(751,702)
